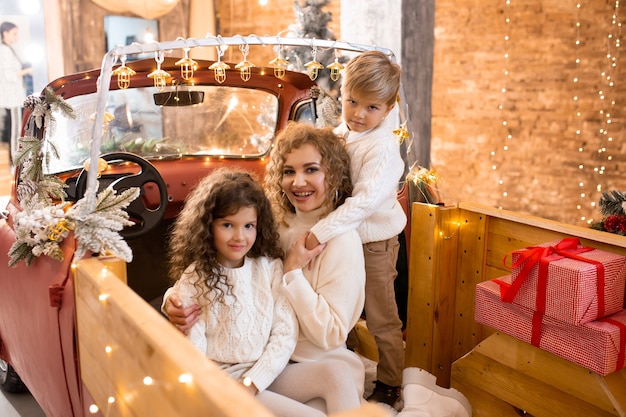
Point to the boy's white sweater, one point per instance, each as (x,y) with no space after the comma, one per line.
(376,168)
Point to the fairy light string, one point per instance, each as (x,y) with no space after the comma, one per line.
(579,140)
(601,159)
(498,156)
(126,391)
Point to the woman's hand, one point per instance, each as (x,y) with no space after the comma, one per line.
(298,256)
(182,318)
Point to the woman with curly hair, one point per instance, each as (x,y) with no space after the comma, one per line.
(307,178)
(225,252)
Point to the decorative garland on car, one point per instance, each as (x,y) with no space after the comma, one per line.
(46,218)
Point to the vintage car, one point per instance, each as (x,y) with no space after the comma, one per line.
(165,122)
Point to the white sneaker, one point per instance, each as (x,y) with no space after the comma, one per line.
(424,398)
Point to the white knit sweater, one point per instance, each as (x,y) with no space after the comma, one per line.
(328,297)
(253,333)
(376,168)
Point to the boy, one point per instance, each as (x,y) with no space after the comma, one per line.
(369,91)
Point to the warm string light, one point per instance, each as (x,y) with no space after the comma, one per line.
(279,64)
(453,228)
(159,76)
(245,66)
(335,67)
(187,65)
(606,95)
(498,156)
(604,135)
(581,206)
(313,67)
(130,391)
(123,74)
(219,68)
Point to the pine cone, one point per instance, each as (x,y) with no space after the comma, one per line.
(31,102)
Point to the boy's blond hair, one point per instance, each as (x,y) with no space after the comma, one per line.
(372,74)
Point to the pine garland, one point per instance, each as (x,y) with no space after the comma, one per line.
(46,218)
(612,203)
(613,209)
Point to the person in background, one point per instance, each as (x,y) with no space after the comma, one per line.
(12,89)
(227,258)
(369,92)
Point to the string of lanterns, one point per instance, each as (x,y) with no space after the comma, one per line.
(188,66)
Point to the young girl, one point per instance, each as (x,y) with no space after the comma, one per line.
(224,249)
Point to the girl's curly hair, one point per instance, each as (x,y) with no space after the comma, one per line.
(334,158)
(219,194)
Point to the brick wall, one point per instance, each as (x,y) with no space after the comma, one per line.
(540,171)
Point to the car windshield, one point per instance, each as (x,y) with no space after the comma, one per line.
(199,120)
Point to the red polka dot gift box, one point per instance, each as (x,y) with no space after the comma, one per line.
(596,345)
(567,281)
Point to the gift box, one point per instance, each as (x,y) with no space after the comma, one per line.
(567,281)
(598,345)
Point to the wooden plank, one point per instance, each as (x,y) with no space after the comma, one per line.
(445,280)
(565,229)
(122,341)
(143,344)
(421,292)
(471,259)
(483,240)
(510,369)
(485,404)
(366,410)
(614,385)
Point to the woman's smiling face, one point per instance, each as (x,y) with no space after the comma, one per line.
(304,178)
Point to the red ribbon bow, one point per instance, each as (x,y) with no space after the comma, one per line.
(543,255)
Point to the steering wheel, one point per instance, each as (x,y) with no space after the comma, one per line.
(145,218)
